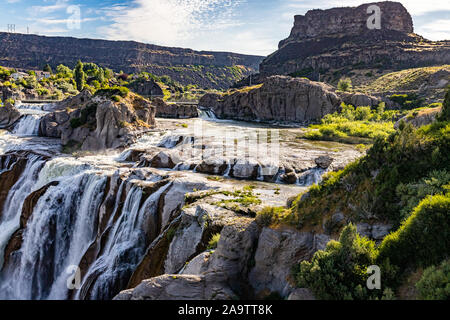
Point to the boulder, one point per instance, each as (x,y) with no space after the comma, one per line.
(324,162)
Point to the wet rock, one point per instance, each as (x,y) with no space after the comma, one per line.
(324,162)
(214,166)
(290,178)
(245,169)
(165,160)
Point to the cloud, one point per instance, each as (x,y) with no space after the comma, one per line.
(172,22)
(436,30)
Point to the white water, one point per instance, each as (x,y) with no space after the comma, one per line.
(28,125)
(58,233)
(10,220)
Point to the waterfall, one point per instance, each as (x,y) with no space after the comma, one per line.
(127,242)
(28,125)
(61,228)
(311,177)
(206,114)
(12,209)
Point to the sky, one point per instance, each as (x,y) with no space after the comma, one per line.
(242,26)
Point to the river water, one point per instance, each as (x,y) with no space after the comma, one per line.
(86,202)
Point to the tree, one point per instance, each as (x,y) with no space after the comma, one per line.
(345,84)
(80,76)
(47,68)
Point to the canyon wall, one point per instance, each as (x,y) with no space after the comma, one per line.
(204,68)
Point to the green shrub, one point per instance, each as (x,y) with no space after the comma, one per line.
(269,215)
(345,84)
(116,90)
(212,244)
(423,239)
(340,271)
(115,98)
(411,194)
(435,282)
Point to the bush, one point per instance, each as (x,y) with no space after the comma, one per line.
(114,91)
(435,282)
(345,84)
(269,215)
(423,239)
(340,272)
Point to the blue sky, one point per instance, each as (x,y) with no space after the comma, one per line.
(244,26)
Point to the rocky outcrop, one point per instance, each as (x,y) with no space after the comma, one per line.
(279,98)
(323,41)
(349,21)
(420,118)
(146,88)
(93,123)
(174,110)
(183,65)
(8,115)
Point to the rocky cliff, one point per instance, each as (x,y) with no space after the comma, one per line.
(99,122)
(323,41)
(204,68)
(284,99)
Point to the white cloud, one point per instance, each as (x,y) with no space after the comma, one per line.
(185,23)
(436,30)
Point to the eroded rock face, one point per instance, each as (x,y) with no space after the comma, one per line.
(422,118)
(8,115)
(176,111)
(349,21)
(98,123)
(280,98)
(326,40)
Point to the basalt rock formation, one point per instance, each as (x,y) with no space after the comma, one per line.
(204,68)
(323,41)
(175,111)
(280,98)
(94,123)
(285,99)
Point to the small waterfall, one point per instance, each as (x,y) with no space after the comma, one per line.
(28,125)
(206,114)
(10,219)
(311,177)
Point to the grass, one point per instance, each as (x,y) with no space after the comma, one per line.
(409,79)
(352,125)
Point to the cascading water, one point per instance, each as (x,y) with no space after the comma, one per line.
(58,233)
(28,125)
(12,209)
(125,248)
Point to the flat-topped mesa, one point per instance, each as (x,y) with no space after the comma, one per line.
(349,21)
